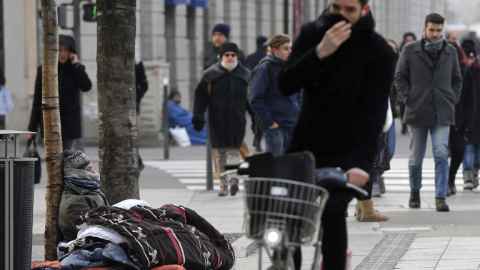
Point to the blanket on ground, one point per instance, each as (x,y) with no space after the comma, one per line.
(167,235)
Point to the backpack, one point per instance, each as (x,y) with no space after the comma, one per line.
(271,81)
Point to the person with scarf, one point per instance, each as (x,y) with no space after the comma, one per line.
(346,70)
(429,81)
(81,192)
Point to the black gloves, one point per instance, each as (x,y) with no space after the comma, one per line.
(198,123)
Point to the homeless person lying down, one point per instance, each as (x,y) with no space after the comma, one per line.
(133,235)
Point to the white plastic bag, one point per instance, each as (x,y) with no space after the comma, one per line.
(180,135)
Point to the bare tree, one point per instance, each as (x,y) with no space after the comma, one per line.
(118,142)
(52,127)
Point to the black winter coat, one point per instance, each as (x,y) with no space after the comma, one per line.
(465,108)
(345,95)
(71,79)
(225,103)
(474,134)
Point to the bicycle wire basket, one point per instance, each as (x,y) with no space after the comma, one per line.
(291,206)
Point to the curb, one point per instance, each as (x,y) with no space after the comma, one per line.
(244,247)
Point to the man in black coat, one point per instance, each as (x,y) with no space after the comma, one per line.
(346,70)
(224,91)
(72,79)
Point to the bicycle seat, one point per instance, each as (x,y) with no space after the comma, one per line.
(334,179)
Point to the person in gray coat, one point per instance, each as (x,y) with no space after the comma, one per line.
(429,82)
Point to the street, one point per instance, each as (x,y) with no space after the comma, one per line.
(411,239)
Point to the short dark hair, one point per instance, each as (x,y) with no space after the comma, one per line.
(434,18)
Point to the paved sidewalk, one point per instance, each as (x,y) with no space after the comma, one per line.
(411,239)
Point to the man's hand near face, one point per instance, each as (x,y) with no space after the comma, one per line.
(333,38)
(73,58)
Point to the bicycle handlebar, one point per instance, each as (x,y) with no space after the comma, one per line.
(329,178)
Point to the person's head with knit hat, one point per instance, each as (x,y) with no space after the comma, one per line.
(77,164)
(220,34)
(229,52)
(175,96)
(470,49)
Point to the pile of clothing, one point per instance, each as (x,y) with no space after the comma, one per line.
(142,237)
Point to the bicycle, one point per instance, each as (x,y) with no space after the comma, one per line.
(283,214)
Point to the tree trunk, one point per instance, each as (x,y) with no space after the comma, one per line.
(117,123)
(52,128)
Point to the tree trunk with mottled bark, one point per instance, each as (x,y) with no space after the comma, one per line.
(117,127)
(52,127)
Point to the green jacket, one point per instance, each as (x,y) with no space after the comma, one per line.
(74,202)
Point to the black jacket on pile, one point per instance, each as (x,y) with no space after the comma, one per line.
(345,95)
(225,103)
(71,80)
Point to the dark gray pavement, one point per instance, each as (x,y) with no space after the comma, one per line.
(411,239)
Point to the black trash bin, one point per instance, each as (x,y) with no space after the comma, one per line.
(16,204)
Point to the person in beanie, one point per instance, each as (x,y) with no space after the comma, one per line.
(81,191)
(223,90)
(471,157)
(72,79)
(220,35)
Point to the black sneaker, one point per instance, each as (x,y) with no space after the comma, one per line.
(233,186)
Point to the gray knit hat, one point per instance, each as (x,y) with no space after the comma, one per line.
(75,159)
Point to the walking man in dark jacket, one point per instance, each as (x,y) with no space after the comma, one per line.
(277,113)
(224,91)
(429,82)
(346,71)
(72,79)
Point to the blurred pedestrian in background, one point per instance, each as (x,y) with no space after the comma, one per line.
(72,78)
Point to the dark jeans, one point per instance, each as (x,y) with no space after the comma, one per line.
(457,148)
(335,238)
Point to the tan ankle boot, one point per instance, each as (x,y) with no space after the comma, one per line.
(369,213)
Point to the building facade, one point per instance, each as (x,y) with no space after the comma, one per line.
(171,38)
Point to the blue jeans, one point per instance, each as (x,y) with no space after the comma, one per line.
(391,149)
(471,157)
(418,144)
(277,140)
